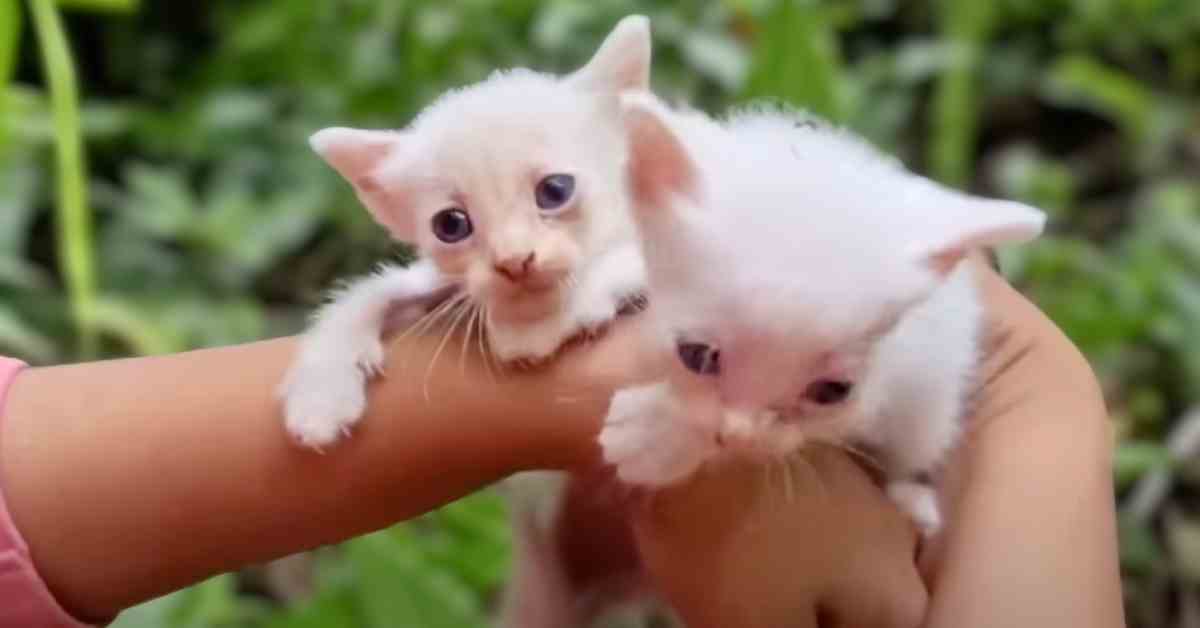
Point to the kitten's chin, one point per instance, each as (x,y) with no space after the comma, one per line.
(525,307)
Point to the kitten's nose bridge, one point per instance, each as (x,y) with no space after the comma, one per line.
(515,267)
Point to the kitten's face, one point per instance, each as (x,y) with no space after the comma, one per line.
(778,344)
(513,202)
(509,185)
(778,256)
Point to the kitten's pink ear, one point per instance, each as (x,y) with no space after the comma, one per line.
(964,223)
(659,166)
(357,155)
(623,60)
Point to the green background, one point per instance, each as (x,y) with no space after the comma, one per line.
(157,194)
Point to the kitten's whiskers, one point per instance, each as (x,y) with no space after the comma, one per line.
(442,345)
(466,341)
(427,319)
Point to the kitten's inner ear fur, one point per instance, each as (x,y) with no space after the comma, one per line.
(357,154)
(969,223)
(623,60)
(659,166)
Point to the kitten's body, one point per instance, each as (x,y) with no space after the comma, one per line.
(839,313)
(513,192)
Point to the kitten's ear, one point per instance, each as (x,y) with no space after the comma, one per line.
(623,60)
(357,154)
(659,166)
(963,223)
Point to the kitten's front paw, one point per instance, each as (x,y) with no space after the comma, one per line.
(594,316)
(647,446)
(322,402)
(920,502)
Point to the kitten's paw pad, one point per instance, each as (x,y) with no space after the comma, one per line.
(647,447)
(322,403)
(920,503)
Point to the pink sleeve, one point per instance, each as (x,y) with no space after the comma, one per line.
(24,599)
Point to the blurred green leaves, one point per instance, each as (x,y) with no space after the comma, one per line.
(438,571)
(797,58)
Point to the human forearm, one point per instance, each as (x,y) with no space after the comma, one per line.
(1033,538)
(131,478)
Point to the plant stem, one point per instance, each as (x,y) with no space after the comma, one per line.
(10,39)
(74,220)
(965,26)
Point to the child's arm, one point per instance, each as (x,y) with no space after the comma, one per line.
(131,478)
(1034,539)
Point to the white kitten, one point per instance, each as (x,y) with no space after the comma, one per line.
(513,190)
(812,291)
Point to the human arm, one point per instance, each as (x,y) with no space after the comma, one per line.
(1033,535)
(131,478)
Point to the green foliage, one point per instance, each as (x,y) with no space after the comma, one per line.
(199,216)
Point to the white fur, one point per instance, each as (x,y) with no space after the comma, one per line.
(323,391)
(483,149)
(803,255)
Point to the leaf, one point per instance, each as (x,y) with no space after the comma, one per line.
(1077,80)
(717,56)
(17,210)
(965,26)
(74,218)
(10,43)
(140,332)
(22,340)
(332,608)
(796,59)
(399,586)
(1134,459)
(1140,552)
(105,6)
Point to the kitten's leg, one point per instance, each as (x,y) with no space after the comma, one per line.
(918,500)
(324,392)
(611,281)
(538,594)
(647,442)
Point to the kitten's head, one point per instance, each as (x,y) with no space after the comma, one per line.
(780,251)
(509,184)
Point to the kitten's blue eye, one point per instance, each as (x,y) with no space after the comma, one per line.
(451,225)
(827,392)
(699,358)
(554,191)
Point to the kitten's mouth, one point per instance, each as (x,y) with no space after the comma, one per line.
(525,305)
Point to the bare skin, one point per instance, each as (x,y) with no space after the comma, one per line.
(132,478)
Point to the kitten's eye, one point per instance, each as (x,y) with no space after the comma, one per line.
(554,191)
(451,225)
(699,357)
(827,392)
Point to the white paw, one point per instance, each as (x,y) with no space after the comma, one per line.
(370,359)
(920,503)
(595,313)
(321,402)
(650,447)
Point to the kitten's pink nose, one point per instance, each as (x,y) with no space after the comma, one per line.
(515,268)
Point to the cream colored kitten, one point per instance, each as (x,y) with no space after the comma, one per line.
(513,191)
